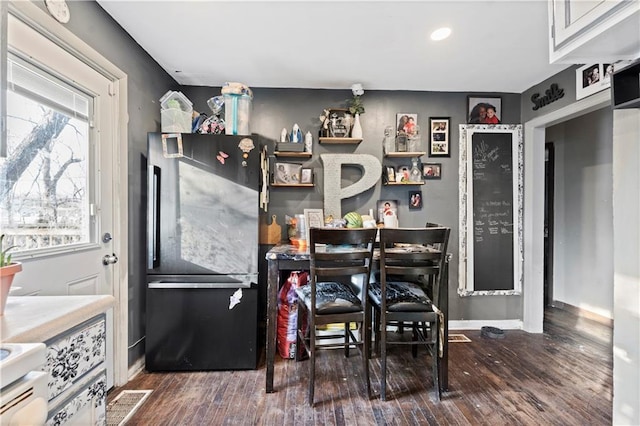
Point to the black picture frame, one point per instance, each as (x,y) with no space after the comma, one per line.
(391,174)
(415,200)
(478,109)
(439,136)
(432,170)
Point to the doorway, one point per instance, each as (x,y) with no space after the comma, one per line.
(549,167)
(79,88)
(534,203)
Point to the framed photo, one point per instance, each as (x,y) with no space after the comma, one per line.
(432,170)
(415,200)
(314,219)
(439,136)
(484,110)
(406,123)
(386,207)
(306,175)
(403,174)
(592,78)
(286,173)
(391,174)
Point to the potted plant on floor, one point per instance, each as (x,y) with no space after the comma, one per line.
(8,270)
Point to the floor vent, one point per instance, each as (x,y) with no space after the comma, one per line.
(120,410)
(455,338)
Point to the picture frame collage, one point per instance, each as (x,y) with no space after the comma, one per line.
(291,174)
(593,78)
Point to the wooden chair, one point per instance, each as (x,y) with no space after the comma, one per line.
(337,258)
(412,262)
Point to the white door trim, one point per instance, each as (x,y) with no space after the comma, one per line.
(53,30)
(534,137)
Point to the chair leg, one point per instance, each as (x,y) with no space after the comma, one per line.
(366,349)
(383,361)
(414,347)
(376,328)
(436,359)
(347,340)
(312,361)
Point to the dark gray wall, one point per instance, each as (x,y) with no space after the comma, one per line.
(583,212)
(274,109)
(566,80)
(147,82)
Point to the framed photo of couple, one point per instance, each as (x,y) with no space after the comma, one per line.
(439,136)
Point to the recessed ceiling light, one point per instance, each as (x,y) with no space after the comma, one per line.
(441,34)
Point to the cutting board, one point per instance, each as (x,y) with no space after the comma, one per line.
(270,234)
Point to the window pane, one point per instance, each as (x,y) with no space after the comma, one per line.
(44,185)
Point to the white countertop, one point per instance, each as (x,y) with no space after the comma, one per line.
(35,319)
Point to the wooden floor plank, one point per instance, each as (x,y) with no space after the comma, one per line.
(560,377)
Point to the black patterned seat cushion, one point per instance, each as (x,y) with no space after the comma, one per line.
(401,296)
(331,298)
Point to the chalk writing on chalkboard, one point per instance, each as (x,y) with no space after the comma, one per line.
(491,223)
(492,211)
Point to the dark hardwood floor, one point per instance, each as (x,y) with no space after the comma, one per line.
(560,377)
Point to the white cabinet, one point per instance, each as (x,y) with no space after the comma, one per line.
(584,31)
(77,375)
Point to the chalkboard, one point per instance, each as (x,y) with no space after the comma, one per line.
(492,187)
(491,250)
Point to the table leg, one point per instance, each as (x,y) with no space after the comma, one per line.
(444,306)
(272,307)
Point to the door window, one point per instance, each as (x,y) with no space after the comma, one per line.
(45,187)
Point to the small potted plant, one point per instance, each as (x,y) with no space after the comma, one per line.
(8,270)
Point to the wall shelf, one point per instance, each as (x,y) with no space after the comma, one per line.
(293,154)
(292,185)
(343,141)
(403,183)
(404,154)
(626,87)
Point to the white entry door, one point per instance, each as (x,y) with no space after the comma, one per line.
(56,196)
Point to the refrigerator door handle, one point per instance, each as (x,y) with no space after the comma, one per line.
(166,286)
(153,218)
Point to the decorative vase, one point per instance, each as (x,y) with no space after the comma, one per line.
(356,131)
(6,279)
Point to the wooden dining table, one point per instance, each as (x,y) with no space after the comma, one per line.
(283,258)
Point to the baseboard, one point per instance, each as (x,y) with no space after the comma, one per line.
(137,367)
(583,313)
(513,324)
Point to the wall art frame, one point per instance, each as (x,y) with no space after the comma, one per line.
(432,170)
(306,175)
(415,200)
(286,173)
(478,107)
(592,78)
(406,123)
(314,219)
(386,206)
(439,137)
(471,232)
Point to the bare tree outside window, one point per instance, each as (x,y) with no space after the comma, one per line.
(44,200)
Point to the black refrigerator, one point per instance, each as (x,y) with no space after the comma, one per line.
(202,252)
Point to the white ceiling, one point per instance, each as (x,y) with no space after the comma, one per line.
(496,46)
